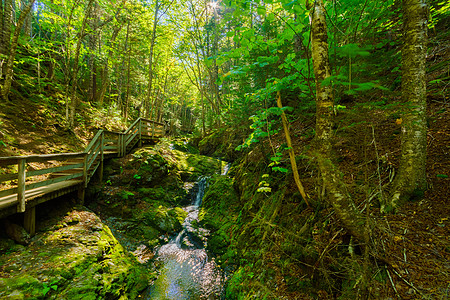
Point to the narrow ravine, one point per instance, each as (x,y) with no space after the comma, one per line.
(187,272)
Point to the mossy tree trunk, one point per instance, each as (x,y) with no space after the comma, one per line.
(338,196)
(411,179)
(6,22)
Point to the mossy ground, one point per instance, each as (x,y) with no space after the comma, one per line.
(77,258)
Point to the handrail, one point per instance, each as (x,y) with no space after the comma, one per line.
(92,159)
(11,160)
(148,120)
(93,141)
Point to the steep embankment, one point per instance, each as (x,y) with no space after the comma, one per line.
(278,248)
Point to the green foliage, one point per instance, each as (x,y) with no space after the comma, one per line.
(50,286)
(126,194)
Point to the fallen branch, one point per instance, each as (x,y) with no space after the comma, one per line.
(291,151)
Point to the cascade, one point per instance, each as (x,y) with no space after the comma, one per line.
(187,272)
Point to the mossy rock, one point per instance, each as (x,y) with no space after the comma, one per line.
(185,146)
(164,219)
(192,166)
(81,261)
(222,144)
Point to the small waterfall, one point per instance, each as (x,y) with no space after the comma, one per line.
(187,272)
(225,169)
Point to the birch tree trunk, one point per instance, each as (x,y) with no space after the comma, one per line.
(338,196)
(411,179)
(9,69)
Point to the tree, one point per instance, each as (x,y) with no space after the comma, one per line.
(338,195)
(9,69)
(411,179)
(6,25)
(71,103)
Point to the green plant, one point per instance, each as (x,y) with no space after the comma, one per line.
(49,286)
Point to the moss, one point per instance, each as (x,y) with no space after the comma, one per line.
(191,167)
(163,218)
(29,287)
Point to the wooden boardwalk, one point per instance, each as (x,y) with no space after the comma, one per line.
(58,174)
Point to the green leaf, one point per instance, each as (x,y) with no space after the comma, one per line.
(264,189)
(261,10)
(441,176)
(280,169)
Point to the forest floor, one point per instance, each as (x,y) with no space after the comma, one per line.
(415,241)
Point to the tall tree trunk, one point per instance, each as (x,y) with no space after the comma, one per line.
(73,98)
(27,26)
(92,45)
(338,196)
(127,96)
(150,63)
(105,76)
(411,179)
(5,42)
(9,69)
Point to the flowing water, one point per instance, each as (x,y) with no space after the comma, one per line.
(187,272)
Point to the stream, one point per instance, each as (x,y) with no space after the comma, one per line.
(186,271)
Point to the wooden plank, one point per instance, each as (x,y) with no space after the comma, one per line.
(151,121)
(114,148)
(130,139)
(8,192)
(54,180)
(132,125)
(54,170)
(5,161)
(93,171)
(45,193)
(110,141)
(8,177)
(93,156)
(93,141)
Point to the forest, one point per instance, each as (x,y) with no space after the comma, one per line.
(331,118)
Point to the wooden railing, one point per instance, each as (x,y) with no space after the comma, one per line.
(78,168)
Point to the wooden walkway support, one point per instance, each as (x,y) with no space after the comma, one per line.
(40,178)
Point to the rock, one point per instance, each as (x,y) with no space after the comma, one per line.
(16,233)
(15,295)
(81,261)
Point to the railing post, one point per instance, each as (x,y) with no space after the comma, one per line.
(29,221)
(102,145)
(82,189)
(124,144)
(153,129)
(119,145)
(21,185)
(85,170)
(140,133)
